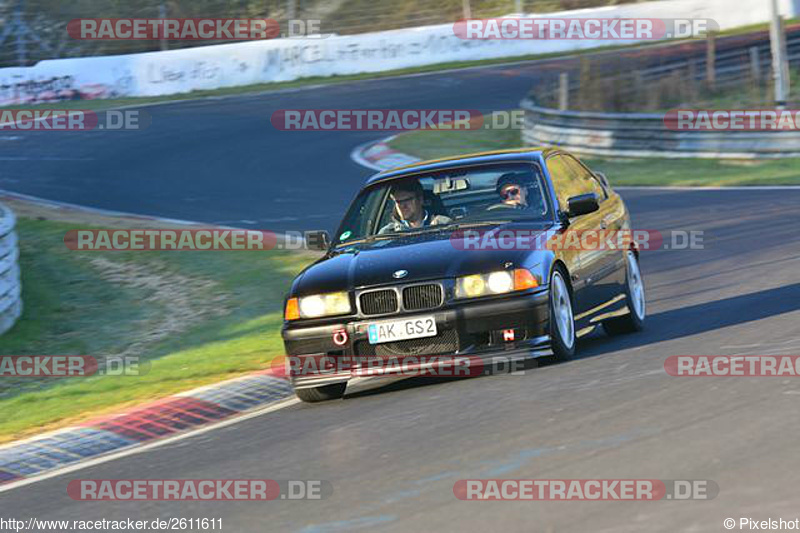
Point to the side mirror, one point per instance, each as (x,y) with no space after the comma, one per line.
(582,205)
(317,240)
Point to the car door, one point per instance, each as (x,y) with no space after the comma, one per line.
(594,266)
(610,278)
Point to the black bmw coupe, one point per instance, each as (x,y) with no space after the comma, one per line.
(518,251)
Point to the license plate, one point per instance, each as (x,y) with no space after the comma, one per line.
(400,330)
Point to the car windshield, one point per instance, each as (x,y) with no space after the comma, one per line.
(448,199)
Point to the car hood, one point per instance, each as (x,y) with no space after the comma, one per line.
(424,257)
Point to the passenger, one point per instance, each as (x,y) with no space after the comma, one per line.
(513,190)
(409,213)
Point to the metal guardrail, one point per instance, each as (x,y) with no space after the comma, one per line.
(645,135)
(10,286)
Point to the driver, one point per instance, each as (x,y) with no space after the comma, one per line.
(409,213)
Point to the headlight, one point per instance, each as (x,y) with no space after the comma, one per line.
(318,305)
(470,286)
(499,282)
(312,306)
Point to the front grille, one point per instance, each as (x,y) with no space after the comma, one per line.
(419,297)
(379,302)
(447,342)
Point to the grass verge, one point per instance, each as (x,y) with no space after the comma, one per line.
(197,319)
(433,144)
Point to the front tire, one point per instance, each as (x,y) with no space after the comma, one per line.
(322,394)
(635,299)
(562,319)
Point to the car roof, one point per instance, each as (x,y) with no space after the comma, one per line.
(497,156)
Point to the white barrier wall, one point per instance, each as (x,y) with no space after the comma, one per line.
(213,67)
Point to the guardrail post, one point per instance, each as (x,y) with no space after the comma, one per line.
(585,99)
(21,52)
(711,60)
(780,64)
(162,14)
(563,91)
(692,77)
(755,65)
(691,70)
(755,74)
(638,86)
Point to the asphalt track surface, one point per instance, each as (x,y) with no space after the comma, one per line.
(394,453)
(221,161)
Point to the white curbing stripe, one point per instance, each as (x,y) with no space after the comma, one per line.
(358,158)
(377,155)
(145,447)
(282,398)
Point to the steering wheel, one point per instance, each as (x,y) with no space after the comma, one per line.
(501,206)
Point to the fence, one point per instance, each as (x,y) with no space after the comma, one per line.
(10,286)
(738,76)
(678,74)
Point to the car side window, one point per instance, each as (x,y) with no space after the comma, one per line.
(386,215)
(583,173)
(567,183)
(357,222)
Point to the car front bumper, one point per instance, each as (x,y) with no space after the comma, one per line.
(475,325)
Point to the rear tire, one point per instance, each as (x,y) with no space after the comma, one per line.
(562,319)
(322,394)
(634,298)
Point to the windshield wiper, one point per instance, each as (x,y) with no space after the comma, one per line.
(424,230)
(371,238)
